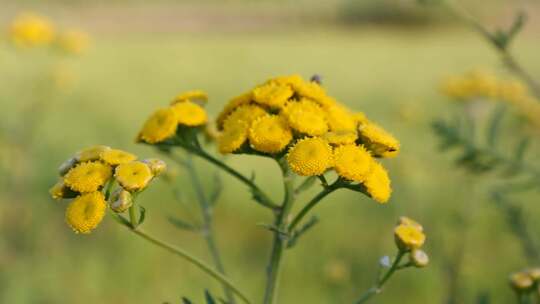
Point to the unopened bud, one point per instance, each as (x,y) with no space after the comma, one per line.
(521,281)
(60,191)
(66,166)
(157,166)
(419,258)
(120,200)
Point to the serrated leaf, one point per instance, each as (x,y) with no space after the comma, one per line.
(181,224)
(494,125)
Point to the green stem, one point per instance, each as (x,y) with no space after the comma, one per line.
(280,240)
(380,283)
(133,215)
(504,52)
(314,201)
(208,231)
(193,260)
(263,199)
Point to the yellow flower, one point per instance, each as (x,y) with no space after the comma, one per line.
(234,103)
(133,176)
(91,153)
(233,137)
(534,273)
(306,117)
(86,211)
(521,281)
(244,113)
(157,166)
(272,94)
(120,200)
(340,118)
(310,90)
(352,162)
(360,118)
(269,134)
(115,157)
(456,87)
(512,90)
(74,41)
(60,191)
(88,177)
(196,96)
(310,156)
(160,126)
(377,183)
(340,137)
(403,220)
(30,30)
(190,114)
(378,141)
(409,237)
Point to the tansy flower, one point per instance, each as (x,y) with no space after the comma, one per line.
(352,162)
(409,237)
(190,114)
(340,137)
(88,177)
(521,281)
(120,200)
(157,166)
(378,141)
(310,90)
(160,126)
(360,118)
(403,220)
(244,113)
(86,211)
(339,118)
(115,157)
(377,183)
(306,117)
(30,30)
(310,156)
(512,90)
(269,134)
(234,103)
(91,153)
(133,176)
(74,41)
(196,96)
(272,94)
(233,137)
(60,191)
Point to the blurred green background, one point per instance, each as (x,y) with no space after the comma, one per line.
(385,58)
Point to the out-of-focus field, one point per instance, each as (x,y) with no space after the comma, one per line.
(390,73)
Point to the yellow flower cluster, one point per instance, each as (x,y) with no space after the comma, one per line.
(185,111)
(85,175)
(526,280)
(293,117)
(481,84)
(29,30)
(409,236)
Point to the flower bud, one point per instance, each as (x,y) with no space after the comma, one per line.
(521,281)
(534,273)
(408,237)
(120,200)
(157,166)
(66,166)
(60,191)
(419,258)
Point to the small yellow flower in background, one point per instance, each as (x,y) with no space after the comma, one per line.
(340,137)
(269,134)
(73,41)
(534,273)
(377,183)
(197,96)
(31,30)
(378,141)
(91,153)
(272,94)
(160,126)
(233,137)
(120,200)
(133,176)
(337,271)
(352,162)
(115,157)
(157,166)
(521,281)
(408,237)
(310,157)
(189,114)
(403,220)
(88,176)
(306,116)
(86,211)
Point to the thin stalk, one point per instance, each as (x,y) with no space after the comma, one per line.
(208,230)
(506,56)
(280,240)
(380,283)
(133,216)
(314,201)
(193,260)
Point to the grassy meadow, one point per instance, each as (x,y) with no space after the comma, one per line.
(389,72)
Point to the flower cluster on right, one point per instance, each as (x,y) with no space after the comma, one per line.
(409,236)
(526,281)
(289,116)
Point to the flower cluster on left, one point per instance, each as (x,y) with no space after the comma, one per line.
(89,178)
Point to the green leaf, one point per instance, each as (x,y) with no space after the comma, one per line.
(142,215)
(186,301)
(494,125)
(517,25)
(209,298)
(120,219)
(181,224)
(521,149)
